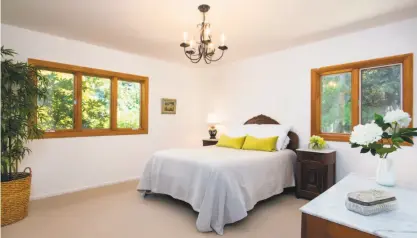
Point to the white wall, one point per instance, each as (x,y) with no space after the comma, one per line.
(64,165)
(278,85)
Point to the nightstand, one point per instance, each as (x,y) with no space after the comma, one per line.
(315,172)
(208,142)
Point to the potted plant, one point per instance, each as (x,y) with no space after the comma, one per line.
(384,136)
(19,93)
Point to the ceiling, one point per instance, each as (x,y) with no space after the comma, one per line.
(155,28)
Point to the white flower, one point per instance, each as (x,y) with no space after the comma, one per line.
(398,116)
(366,134)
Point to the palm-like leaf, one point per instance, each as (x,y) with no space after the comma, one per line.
(19,92)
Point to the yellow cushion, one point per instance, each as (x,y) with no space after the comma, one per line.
(231,142)
(263,144)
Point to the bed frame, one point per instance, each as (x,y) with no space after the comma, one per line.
(262,119)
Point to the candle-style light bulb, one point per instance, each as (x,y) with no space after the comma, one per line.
(185,37)
(222,39)
(210,47)
(206,33)
(192,43)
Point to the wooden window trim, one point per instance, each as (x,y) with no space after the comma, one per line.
(407,89)
(78,72)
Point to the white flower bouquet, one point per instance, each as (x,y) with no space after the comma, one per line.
(384,135)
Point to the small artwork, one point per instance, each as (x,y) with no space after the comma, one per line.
(168,106)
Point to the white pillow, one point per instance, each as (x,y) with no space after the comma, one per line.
(286,143)
(262,131)
(237,131)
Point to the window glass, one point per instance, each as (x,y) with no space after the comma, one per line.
(336,99)
(380,91)
(95,104)
(128,104)
(56,112)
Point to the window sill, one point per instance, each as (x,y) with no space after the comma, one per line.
(97,132)
(345,138)
(335,137)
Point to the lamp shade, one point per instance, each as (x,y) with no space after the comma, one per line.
(212,119)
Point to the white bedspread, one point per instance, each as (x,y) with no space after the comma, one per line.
(221,184)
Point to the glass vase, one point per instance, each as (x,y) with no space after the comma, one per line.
(385,174)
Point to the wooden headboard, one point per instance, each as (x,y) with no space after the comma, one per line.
(262,119)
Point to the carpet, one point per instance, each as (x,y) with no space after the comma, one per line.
(119,211)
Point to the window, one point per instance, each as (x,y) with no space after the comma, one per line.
(56,112)
(342,96)
(128,104)
(95,102)
(91,102)
(380,91)
(336,103)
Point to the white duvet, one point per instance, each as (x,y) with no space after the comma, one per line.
(221,184)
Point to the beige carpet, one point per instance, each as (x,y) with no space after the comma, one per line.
(119,211)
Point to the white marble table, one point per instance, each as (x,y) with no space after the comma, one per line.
(330,205)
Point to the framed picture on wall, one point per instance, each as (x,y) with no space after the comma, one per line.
(168,106)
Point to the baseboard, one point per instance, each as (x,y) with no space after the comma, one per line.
(81,189)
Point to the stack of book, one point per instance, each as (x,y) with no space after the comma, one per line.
(371,202)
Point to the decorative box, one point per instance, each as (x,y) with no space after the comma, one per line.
(370,202)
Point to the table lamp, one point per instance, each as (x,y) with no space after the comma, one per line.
(212,120)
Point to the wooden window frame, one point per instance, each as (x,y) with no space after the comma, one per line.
(78,72)
(407,90)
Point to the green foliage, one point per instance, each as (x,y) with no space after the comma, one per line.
(336,103)
(380,91)
(18,109)
(128,105)
(392,140)
(95,102)
(56,110)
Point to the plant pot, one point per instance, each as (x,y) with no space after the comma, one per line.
(385,174)
(15,198)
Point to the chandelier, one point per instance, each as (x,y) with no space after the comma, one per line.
(204,49)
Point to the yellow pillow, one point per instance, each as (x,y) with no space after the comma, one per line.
(263,144)
(231,142)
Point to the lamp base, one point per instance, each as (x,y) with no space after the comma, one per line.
(212,132)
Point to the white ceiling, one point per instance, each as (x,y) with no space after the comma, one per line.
(155,28)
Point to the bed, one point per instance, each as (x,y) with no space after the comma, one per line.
(221,184)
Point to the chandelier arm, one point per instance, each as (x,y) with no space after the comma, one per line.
(205,59)
(202,50)
(193,58)
(196,60)
(219,57)
(189,56)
